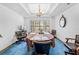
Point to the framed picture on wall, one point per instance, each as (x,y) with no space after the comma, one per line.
(62,21)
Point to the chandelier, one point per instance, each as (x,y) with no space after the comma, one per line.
(40,13)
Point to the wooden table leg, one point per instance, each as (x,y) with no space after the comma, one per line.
(53,43)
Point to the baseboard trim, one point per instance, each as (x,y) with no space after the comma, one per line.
(65,44)
(8,46)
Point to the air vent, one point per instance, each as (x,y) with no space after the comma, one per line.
(68,3)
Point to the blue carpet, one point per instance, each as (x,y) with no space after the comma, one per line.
(21,49)
(59,48)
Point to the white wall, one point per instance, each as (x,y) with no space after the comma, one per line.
(9,20)
(72,26)
(28,24)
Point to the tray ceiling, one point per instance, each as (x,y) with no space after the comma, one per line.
(31,9)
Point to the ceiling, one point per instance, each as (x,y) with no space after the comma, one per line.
(32,9)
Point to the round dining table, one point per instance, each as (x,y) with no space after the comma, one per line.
(39,38)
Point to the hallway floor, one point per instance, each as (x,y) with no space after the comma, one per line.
(21,49)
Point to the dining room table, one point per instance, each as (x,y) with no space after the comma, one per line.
(40,38)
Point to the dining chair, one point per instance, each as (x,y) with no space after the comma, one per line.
(76,40)
(53,32)
(42,48)
(29,44)
(73,45)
